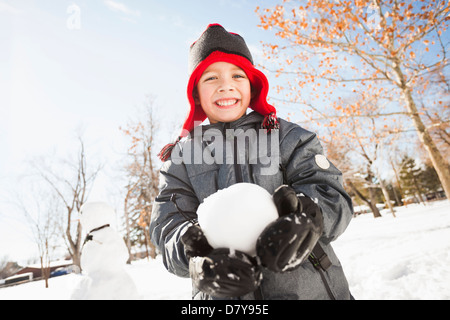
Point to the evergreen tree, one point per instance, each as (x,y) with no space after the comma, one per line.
(410,176)
(429,179)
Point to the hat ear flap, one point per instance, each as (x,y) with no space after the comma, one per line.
(196,96)
(253,92)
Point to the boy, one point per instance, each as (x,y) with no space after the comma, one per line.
(294,257)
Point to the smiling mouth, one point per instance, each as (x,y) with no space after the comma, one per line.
(224,103)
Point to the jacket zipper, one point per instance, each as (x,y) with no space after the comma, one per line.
(258,295)
(237,166)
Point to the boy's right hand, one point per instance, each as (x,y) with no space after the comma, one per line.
(219,272)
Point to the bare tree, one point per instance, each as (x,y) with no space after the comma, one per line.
(40,209)
(70,183)
(142,176)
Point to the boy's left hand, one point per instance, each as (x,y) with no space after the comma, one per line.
(287,242)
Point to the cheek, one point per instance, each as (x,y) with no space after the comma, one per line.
(204,93)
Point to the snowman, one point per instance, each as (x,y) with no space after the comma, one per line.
(103,257)
(234,217)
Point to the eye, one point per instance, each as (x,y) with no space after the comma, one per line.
(209,78)
(239,76)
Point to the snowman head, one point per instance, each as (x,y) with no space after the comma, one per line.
(96,214)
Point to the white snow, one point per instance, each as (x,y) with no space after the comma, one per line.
(407,257)
(234,217)
(152,280)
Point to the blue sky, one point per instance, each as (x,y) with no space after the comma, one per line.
(92,75)
(84,66)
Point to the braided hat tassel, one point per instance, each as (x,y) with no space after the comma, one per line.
(166,151)
(270,122)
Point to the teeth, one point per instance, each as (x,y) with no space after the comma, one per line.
(225,103)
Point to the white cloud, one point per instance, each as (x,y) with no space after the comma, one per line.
(120,7)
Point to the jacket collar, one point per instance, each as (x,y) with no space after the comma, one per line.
(246,120)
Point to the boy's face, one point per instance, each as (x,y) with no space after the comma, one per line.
(224,92)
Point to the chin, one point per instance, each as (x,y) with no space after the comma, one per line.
(231,115)
(229,118)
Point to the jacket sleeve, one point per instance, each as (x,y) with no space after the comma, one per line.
(168,224)
(309,172)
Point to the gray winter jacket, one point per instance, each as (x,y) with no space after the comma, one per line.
(206,162)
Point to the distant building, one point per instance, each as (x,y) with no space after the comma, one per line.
(35,269)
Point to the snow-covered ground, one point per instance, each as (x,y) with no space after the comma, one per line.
(407,257)
(151,278)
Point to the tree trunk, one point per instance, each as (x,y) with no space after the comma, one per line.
(373,203)
(372,206)
(418,190)
(75,246)
(387,197)
(400,201)
(127,226)
(439,163)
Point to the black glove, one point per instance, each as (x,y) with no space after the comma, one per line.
(287,242)
(221,272)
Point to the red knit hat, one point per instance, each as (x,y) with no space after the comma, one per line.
(218,45)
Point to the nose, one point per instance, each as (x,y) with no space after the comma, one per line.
(226,85)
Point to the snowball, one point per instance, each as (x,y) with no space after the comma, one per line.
(235,217)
